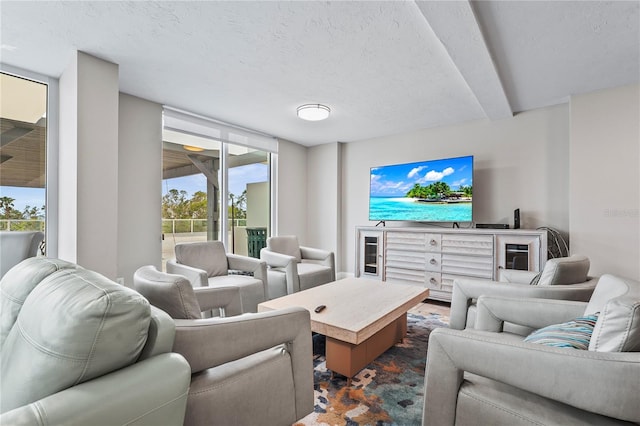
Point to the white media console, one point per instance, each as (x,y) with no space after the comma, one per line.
(433,257)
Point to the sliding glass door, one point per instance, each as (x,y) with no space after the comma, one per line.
(216,185)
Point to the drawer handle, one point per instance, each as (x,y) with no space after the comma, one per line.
(433,261)
(433,242)
(433,280)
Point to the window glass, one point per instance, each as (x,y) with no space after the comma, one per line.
(23,124)
(190,190)
(249,204)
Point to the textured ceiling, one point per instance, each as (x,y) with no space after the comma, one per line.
(382,67)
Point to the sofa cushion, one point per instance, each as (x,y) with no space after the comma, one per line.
(171,293)
(565,270)
(74,326)
(209,256)
(571,334)
(618,326)
(287,244)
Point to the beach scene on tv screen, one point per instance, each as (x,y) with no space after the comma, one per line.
(428,191)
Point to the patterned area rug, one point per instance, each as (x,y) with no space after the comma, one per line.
(389,391)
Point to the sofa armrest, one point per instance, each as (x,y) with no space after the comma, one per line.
(250,333)
(149,392)
(257,267)
(467,290)
(493,311)
(275,259)
(199,342)
(197,277)
(288,264)
(161,333)
(243,263)
(570,376)
(516,276)
(227,298)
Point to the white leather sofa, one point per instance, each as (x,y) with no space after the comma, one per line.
(79,349)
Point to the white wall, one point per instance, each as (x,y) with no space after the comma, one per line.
(324,198)
(88,221)
(139,185)
(605,182)
(521,162)
(291,209)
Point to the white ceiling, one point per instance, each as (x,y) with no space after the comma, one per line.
(382,67)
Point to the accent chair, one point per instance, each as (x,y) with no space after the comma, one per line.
(207,264)
(293,268)
(247,369)
(79,349)
(15,246)
(488,376)
(564,278)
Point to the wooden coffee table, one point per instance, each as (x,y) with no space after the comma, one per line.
(362,319)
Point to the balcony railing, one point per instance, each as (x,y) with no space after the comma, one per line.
(21,225)
(184,226)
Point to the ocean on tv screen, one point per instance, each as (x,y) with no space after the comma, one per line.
(410,209)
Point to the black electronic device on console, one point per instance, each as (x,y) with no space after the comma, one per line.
(492,225)
(516,219)
(319,309)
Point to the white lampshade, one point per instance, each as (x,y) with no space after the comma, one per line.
(313,112)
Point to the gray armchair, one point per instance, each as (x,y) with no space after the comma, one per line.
(563,278)
(207,264)
(79,349)
(487,376)
(247,369)
(15,246)
(293,268)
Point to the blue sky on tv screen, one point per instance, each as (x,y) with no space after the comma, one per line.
(397,180)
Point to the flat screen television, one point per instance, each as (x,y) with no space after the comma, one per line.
(426,191)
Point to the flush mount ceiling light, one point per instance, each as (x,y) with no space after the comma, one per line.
(313,112)
(192,148)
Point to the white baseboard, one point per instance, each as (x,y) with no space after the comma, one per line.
(343,275)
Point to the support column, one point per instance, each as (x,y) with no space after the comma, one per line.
(88,172)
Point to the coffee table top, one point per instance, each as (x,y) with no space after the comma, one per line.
(356,308)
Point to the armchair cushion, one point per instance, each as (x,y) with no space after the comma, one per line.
(74,326)
(565,270)
(574,334)
(287,244)
(209,256)
(171,293)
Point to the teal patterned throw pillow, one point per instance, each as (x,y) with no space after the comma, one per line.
(572,334)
